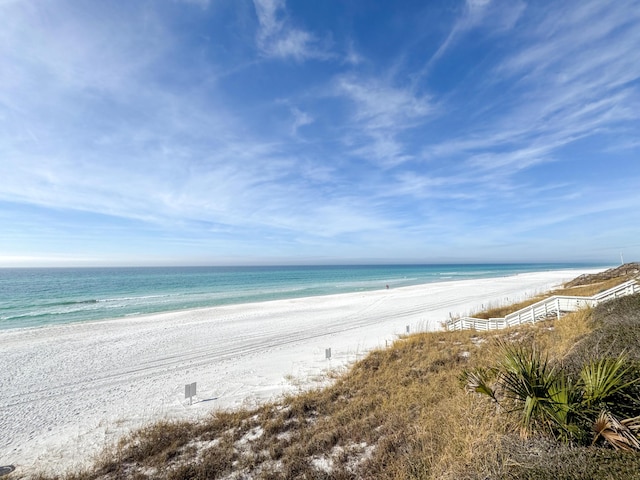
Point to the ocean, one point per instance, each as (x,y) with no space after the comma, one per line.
(35,297)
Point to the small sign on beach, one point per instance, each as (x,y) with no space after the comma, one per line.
(190,391)
(327,353)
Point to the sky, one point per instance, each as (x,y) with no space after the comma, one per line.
(238,132)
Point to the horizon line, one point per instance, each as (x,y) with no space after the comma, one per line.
(359,264)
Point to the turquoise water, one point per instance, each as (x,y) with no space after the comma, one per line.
(38,297)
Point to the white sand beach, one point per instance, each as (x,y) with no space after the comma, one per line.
(68,391)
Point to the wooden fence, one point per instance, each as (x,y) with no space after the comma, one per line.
(552,307)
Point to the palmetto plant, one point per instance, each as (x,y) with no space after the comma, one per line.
(565,414)
(526,382)
(602,379)
(545,399)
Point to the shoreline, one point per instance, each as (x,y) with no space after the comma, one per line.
(73,389)
(44,304)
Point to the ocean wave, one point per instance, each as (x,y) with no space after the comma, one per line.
(24,315)
(469,274)
(60,303)
(55,310)
(374,283)
(141,297)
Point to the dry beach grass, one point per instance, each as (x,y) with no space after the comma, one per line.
(578,291)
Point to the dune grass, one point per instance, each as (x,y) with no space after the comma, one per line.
(400,413)
(580,291)
(387,418)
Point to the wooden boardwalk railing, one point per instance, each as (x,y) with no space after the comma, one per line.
(550,307)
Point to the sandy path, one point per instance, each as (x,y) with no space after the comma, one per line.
(67,391)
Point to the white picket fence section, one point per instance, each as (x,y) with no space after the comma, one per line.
(551,307)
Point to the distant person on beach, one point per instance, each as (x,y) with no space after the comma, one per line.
(387,287)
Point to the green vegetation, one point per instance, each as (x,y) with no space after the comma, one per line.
(401,413)
(547,400)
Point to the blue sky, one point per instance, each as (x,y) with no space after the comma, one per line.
(203,132)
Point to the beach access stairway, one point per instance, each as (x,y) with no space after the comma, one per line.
(552,307)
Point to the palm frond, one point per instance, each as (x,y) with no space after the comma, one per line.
(528,381)
(565,398)
(604,378)
(632,424)
(614,432)
(478,381)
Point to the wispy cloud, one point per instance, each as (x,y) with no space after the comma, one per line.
(494,16)
(572,80)
(300,119)
(380,105)
(380,113)
(278,38)
(352,57)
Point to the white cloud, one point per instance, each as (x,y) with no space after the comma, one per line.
(52,47)
(494,16)
(380,114)
(380,105)
(300,119)
(352,57)
(277,38)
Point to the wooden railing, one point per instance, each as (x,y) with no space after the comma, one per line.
(552,307)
